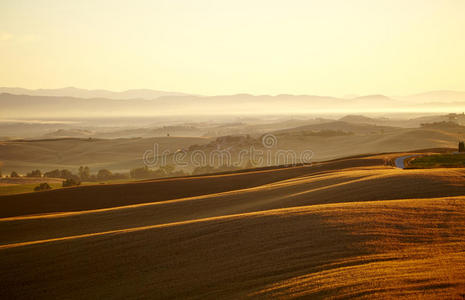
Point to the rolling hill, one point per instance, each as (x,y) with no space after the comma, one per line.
(364,138)
(326,139)
(70,153)
(349,228)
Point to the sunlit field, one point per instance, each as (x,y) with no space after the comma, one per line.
(330,230)
(309,149)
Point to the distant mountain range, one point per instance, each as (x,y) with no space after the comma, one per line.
(436,96)
(148,94)
(72,102)
(145,94)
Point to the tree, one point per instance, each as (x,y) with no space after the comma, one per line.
(70,182)
(14,174)
(461,147)
(84,173)
(66,174)
(104,174)
(53,174)
(34,173)
(42,187)
(167,169)
(145,172)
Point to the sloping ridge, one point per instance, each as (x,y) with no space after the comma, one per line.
(351,228)
(111,195)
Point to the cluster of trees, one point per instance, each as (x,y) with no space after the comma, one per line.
(442,125)
(145,172)
(34,173)
(70,182)
(12,174)
(84,174)
(42,187)
(102,174)
(209,169)
(105,174)
(70,179)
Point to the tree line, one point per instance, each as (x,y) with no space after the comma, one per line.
(84,174)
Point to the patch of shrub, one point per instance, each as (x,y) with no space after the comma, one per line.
(104,174)
(42,187)
(52,174)
(65,174)
(164,171)
(70,182)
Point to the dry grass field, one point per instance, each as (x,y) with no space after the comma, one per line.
(348,228)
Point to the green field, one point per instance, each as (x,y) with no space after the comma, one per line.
(22,188)
(439,161)
(29,187)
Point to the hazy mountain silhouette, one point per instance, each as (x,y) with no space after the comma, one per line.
(146,94)
(436,96)
(16,104)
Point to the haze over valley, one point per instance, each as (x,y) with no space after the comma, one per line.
(306,149)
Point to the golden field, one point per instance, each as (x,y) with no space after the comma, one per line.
(349,228)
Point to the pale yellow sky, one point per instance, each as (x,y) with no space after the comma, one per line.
(327,47)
